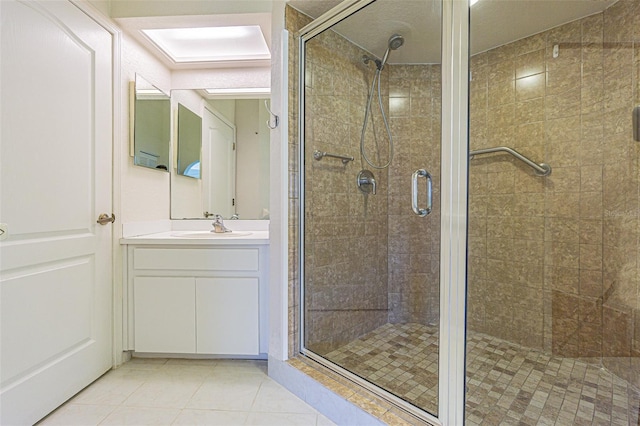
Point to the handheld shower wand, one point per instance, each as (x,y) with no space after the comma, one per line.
(394,43)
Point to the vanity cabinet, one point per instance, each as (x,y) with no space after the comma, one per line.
(199,300)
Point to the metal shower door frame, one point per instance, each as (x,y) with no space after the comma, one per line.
(454,197)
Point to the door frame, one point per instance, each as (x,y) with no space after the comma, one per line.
(454,198)
(118,355)
(218,115)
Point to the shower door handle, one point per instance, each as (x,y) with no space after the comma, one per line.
(414,192)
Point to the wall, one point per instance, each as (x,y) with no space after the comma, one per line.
(252,196)
(144,192)
(226,107)
(414,242)
(252,154)
(553,262)
(369,259)
(346,239)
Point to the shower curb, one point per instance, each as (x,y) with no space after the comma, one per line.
(335,397)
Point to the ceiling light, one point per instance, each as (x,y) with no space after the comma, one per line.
(472,2)
(210,44)
(149,92)
(261,90)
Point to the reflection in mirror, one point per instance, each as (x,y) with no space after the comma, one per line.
(235,160)
(219,170)
(151,124)
(189,142)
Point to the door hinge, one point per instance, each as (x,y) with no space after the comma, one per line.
(233,201)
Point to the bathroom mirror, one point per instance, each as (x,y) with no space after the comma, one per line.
(151,112)
(189,142)
(234,164)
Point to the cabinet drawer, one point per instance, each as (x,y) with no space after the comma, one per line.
(210,259)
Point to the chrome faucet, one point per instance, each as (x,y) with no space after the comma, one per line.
(218,225)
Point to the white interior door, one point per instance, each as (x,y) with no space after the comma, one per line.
(55,180)
(219,169)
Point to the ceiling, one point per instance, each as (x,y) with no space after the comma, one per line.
(136,27)
(493,23)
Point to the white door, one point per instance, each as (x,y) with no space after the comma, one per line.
(219,168)
(55,180)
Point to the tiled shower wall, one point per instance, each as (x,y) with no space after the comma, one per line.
(352,285)
(346,238)
(553,262)
(414,242)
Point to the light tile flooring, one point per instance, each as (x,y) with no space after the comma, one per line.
(507,384)
(186,392)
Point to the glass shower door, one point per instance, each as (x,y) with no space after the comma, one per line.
(370,190)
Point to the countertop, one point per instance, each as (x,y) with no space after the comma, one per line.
(200,238)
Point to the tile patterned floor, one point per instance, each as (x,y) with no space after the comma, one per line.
(507,384)
(186,392)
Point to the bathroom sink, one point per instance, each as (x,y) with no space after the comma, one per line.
(210,235)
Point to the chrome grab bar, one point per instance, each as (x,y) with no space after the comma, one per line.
(319,155)
(541,169)
(636,123)
(414,193)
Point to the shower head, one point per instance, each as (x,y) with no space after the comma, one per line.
(395,41)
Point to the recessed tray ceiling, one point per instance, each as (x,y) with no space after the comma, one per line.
(189,49)
(206,44)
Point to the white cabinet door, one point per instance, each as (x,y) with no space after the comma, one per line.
(165,314)
(228,316)
(55,180)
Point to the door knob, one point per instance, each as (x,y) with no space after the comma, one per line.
(104,218)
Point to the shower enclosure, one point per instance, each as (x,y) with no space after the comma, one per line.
(526,298)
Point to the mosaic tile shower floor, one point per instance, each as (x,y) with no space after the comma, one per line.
(507,384)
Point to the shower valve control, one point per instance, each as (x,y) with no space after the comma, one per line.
(366,182)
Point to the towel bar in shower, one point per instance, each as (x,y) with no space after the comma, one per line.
(541,169)
(318,155)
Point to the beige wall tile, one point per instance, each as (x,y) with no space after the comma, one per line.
(530,87)
(531,63)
